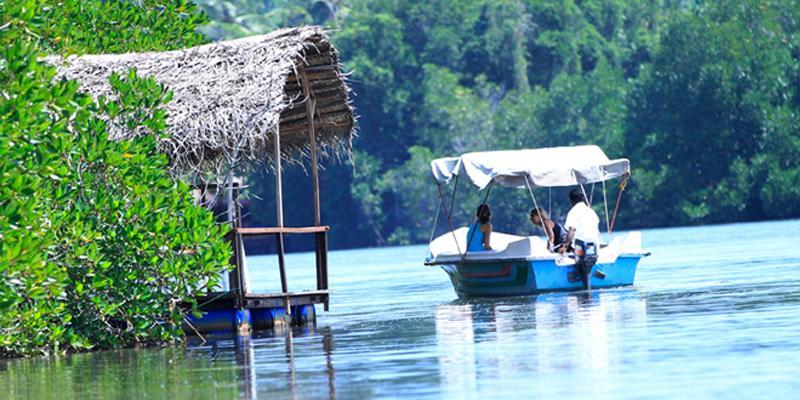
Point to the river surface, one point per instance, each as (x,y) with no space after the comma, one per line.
(715,313)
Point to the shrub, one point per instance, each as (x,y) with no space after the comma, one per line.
(98,244)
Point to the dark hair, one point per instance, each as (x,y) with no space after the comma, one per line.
(576,196)
(484,213)
(541,213)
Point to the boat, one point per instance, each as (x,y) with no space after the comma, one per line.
(523,265)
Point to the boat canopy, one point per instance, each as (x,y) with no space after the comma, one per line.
(546,167)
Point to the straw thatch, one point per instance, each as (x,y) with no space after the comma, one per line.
(231,97)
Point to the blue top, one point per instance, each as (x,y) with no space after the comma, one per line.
(476,243)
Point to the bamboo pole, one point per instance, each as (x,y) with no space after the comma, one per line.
(234,276)
(278,180)
(320,245)
(279,211)
(310,106)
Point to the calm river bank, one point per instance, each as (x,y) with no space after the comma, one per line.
(715,313)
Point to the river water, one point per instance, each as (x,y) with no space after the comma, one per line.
(715,313)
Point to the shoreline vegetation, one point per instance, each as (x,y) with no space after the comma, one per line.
(99,244)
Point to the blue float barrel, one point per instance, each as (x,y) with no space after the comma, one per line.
(259,319)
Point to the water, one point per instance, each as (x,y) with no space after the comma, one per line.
(715,314)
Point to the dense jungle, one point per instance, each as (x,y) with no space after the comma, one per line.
(703,97)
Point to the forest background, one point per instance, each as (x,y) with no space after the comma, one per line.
(703,97)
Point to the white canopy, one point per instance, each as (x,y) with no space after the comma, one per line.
(548,167)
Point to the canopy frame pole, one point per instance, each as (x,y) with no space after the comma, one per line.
(585,197)
(550,201)
(448,214)
(622,185)
(535,205)
(605,206)
(453,198)
(488,191)
(591,194)
(438,210)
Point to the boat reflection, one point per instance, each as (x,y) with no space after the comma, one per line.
(507,339)
(455,340)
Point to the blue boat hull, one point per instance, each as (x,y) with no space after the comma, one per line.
(525,277)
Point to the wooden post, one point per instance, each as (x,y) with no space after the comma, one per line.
(234,277)
(324,264)
(317,246)
(233,274)
(321,242)
(278,180)
(244,274)
(279,209)
(312,137)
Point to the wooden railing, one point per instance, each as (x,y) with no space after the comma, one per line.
(238,275)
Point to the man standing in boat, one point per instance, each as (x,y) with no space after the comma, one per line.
(582,231)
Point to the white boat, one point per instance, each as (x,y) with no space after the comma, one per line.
(522,265)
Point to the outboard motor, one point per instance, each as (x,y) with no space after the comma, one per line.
(587,257)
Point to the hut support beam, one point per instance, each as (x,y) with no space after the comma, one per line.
(321,240)
(312,137)
(279,210)
(237,276)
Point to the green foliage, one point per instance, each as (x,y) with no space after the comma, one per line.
(31,285)
(118,26)
(710,109)
(416,196)
(131,239)
(368,187)
(99,244)
(454,117)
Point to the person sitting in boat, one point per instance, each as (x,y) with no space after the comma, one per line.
(479,233)
(582,223)
(556,233)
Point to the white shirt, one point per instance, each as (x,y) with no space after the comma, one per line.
(584,220)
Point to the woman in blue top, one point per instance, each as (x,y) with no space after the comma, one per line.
(478,234)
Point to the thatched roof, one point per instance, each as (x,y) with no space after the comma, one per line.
(231,97)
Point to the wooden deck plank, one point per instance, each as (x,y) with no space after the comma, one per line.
(276,230)
(282,295)
(227,295)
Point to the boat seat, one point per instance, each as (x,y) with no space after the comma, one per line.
(504,245)
(508,246)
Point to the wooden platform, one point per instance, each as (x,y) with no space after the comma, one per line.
(241,297)
(242,311)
